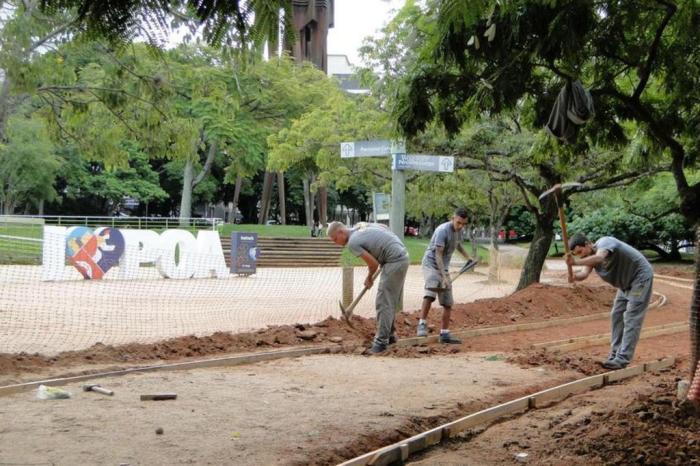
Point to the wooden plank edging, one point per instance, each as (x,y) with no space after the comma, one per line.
(401,450)
(199,364)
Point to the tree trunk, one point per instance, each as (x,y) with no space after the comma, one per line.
(186,199)
(695,309)
(280,190)
(189,181)
(40,207)
(265,198)
(472,239)
(307,202)
(544,234)
(236,196)
(323,205)
(4,105)
(664,256)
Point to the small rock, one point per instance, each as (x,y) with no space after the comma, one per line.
(335,339)
(307,334)
(159,431)
(359,350)
(407,322)
(422,349)
(682,389)
(644,415)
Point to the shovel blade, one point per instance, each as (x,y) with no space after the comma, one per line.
(344,313)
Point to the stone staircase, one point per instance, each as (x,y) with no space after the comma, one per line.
(292,252)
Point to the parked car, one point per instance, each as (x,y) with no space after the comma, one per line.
(410,231)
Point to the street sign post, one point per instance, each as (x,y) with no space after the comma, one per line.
(400,162)
(430,163)
(376,148)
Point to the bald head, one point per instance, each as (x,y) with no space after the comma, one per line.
(338,233)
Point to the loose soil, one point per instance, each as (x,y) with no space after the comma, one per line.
(638,422)
(537,302)
(345,405)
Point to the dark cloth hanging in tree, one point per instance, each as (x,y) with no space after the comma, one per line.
(573,107)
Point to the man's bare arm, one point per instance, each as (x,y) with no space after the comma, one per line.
(372,265)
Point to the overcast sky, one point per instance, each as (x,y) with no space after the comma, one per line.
(356,19)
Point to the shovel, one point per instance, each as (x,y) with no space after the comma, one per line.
(470,264)
(347,312)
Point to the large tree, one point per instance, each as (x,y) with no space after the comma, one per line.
(641,61)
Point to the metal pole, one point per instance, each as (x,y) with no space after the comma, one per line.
(348,279)
(398,202)
(398,209)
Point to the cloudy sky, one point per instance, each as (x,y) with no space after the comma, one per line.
(356,19)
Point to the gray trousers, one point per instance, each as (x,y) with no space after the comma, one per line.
(391,282)
(627,316)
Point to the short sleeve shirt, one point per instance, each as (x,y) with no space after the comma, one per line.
(445,237)
(378,241)
(623,265)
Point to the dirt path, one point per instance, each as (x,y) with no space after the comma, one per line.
(321,409)
(280,412)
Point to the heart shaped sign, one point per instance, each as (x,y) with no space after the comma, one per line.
(93,254)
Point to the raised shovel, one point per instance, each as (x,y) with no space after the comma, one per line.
(470,264)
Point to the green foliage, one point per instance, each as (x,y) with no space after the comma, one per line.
(645,215)
(91,187)
(613,222)
(28,165)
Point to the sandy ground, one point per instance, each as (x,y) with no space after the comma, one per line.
(279,412)
(49,317)
(322,409)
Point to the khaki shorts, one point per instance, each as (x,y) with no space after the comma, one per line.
(433,279)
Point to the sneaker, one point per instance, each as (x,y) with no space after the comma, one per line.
(377,348)
(422,330)
(614,364)
(449,339)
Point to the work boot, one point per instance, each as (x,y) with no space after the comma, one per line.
(449,339)
(377,348)
(614,364)
(422,330)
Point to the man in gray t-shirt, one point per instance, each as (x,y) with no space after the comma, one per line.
(446,238)
(375,244)
(627,269)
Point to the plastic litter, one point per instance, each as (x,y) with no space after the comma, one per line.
(51,393)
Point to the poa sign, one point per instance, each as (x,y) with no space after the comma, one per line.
(176,253)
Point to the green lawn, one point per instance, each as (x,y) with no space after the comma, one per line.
(267,230)
(416,246)
(416,249)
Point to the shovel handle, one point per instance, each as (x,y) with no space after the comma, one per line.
(565,238)
(348,312)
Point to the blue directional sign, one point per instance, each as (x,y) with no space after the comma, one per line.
(430,163)
(377,148)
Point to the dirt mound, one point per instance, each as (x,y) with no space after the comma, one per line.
(537,302)
(542,357)
(652,429)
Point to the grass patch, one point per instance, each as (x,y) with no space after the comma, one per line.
(416,248)
(295,231)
